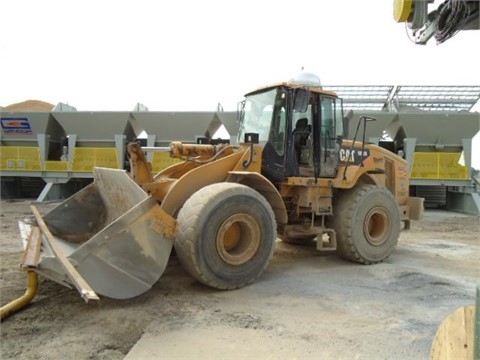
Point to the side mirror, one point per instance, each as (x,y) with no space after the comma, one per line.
(301,99)
(240,110)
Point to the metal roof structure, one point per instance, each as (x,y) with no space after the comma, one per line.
(399,97)
(367,97)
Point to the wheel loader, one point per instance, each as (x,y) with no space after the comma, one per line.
(292,176)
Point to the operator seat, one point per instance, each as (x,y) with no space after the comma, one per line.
(301,135)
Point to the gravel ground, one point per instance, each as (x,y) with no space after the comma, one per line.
(306,305)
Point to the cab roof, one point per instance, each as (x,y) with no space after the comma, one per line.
(294,85)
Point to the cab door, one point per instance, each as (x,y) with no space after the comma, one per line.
(328,137)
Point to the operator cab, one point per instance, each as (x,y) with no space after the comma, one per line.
(300,126)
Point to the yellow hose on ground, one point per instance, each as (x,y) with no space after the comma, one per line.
(24,300)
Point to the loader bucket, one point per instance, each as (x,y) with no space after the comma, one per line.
(111,232)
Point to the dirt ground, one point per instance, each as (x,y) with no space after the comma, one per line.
(305,305)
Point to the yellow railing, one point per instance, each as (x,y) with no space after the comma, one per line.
(56,165)
(426,165)
(27,158)
(162,160)
(438,165)
(86,158)
(20,158)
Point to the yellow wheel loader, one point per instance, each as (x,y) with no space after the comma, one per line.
(293,176)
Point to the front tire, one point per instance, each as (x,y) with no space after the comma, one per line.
(367,223)
(226,235)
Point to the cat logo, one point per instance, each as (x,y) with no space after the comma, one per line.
(353,156)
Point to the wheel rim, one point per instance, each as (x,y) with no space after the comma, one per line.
(376,226)
(238,239)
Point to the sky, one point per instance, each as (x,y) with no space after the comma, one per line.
(192,55)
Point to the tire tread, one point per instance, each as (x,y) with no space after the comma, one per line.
(188,219)
(346,204)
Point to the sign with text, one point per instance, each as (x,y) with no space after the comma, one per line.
(12,125)
(353,156)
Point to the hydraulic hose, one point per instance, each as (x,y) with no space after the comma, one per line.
(25,299)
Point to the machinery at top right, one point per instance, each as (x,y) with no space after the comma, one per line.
(438,19)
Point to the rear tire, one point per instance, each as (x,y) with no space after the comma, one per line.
(367,223)
(226,235)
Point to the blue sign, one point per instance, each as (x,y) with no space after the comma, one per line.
(16,125)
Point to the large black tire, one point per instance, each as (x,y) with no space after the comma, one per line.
(367,222)
(226,235)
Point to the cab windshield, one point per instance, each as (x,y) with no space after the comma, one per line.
(257,115)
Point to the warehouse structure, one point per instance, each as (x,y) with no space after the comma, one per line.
(51,154)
